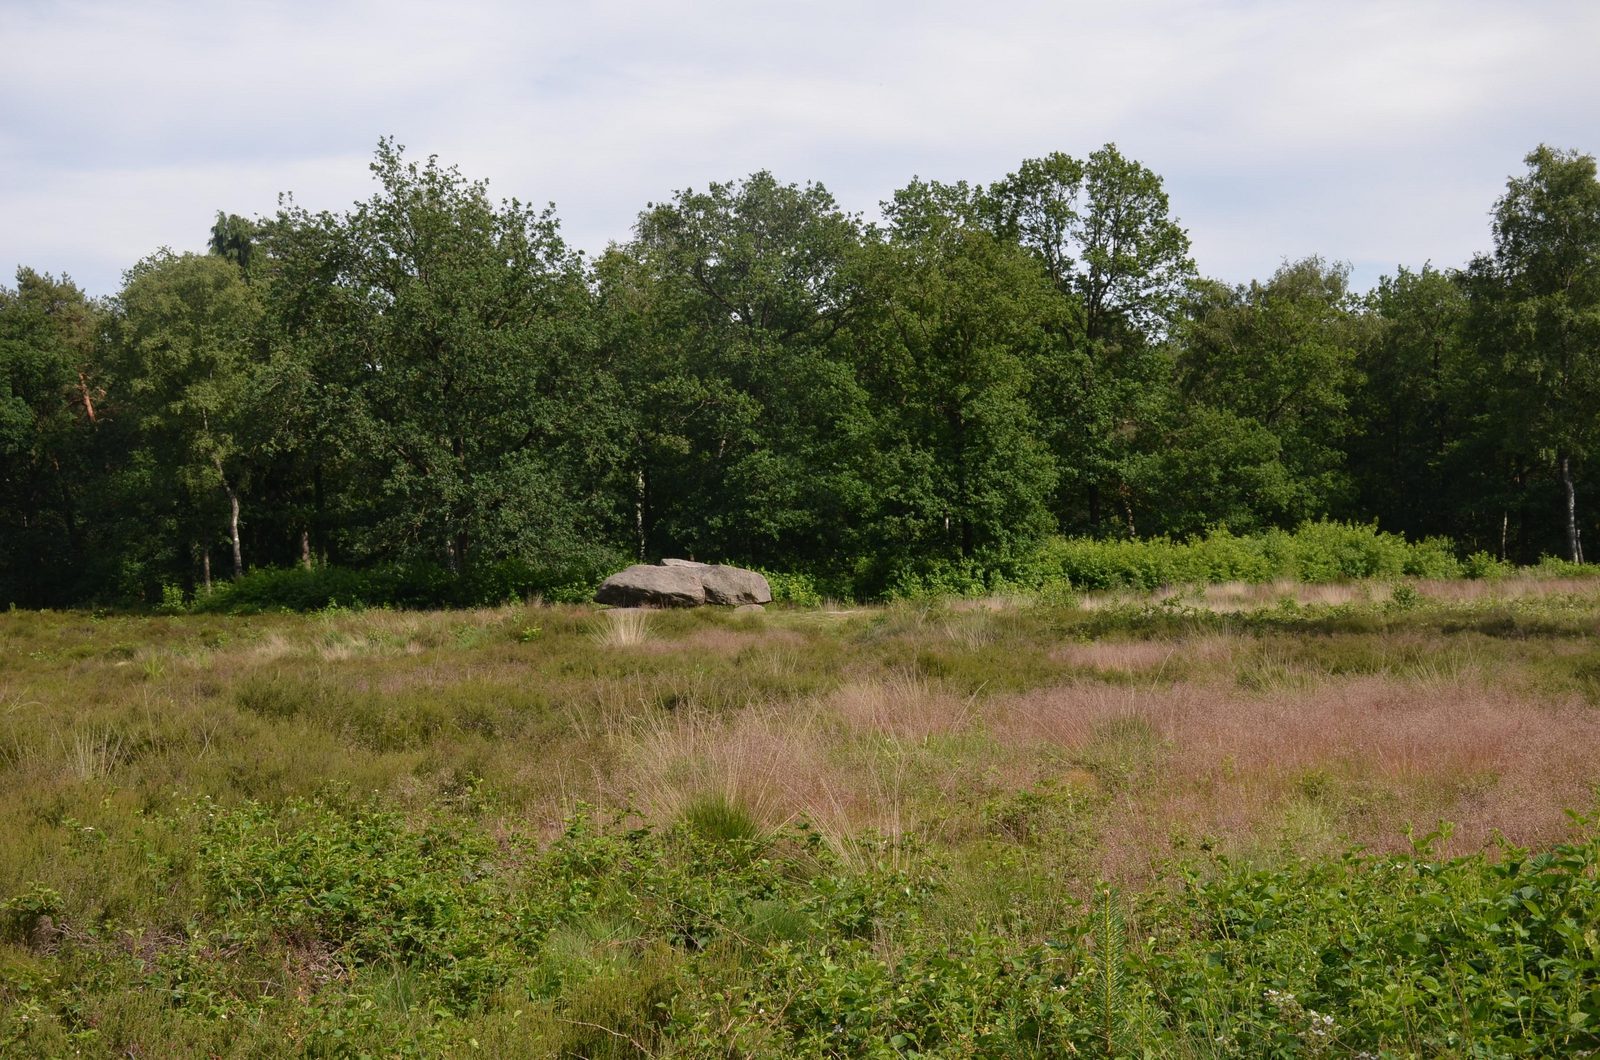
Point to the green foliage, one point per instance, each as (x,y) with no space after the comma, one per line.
(1426,956)
(1422,451)
(363,887)
(51,478)
(720,819)
(749,432)
(799,590)
(931,579)
(1404,597)
(1118,263)
(447,342)
(21,915)
(436,909)
(1558,567)
(1109,933)
(955,320)
(414,585)
(1482,565)
(1279,358)
(433,379)
(1315,552)
(174,601)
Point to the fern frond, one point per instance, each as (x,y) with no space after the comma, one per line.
(1110,933)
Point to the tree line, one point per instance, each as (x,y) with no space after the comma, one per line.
(434,377)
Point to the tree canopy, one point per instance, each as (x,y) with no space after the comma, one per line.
(433,379)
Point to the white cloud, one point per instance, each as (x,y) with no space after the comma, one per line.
(1369,131)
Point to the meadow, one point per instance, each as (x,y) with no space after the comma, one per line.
(1268,819)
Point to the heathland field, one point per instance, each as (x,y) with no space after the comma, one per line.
(1255,820)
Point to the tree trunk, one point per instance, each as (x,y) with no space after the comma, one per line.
(305,547)
(638,512)
(233,516)
(88,399)
(205,566)
(1574,541)
(233,531)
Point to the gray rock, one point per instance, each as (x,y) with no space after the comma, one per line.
(743,609)
(684,583)
(642,585)
(734,586)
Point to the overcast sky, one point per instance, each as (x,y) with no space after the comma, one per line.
(1377,132)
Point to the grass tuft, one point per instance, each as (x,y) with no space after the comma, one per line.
(624,627)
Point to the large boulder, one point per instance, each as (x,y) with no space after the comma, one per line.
(643,585)
(684,583)
(734,586)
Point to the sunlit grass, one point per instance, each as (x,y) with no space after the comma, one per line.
(1032,750)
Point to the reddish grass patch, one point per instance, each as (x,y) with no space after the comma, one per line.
(1374,753)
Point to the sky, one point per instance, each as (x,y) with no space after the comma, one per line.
(1374,132)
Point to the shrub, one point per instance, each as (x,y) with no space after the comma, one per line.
(790,588)
(1482,565)
(363,885)
(1556,567)
(712,937)
(415,585)
(1315,552)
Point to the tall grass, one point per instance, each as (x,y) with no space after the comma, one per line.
(520,827)
(624,628)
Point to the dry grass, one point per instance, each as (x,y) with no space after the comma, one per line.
(881,718)
(1522,587)
(624,627)
(1237,596)
(772,764)
(1122,656)
(901,705)
(91,754)
(1376,752)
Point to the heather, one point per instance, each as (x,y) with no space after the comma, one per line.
(1236,819)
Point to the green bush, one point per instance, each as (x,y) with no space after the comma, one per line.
(1315,552)
(363,886)
(1556,567)
(790,588)
(1482,565)
(417,585)
(1433,557)
(713,937)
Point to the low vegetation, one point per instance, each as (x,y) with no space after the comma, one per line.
(1315,553)
(1206,821)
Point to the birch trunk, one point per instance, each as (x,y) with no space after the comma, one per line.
(233,531)
(233,516)
(1574,541)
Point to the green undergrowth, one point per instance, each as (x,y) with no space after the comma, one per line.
(1314,553)
(335,927)
(393,585)
(353,833)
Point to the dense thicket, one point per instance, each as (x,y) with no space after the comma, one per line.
(432,380)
